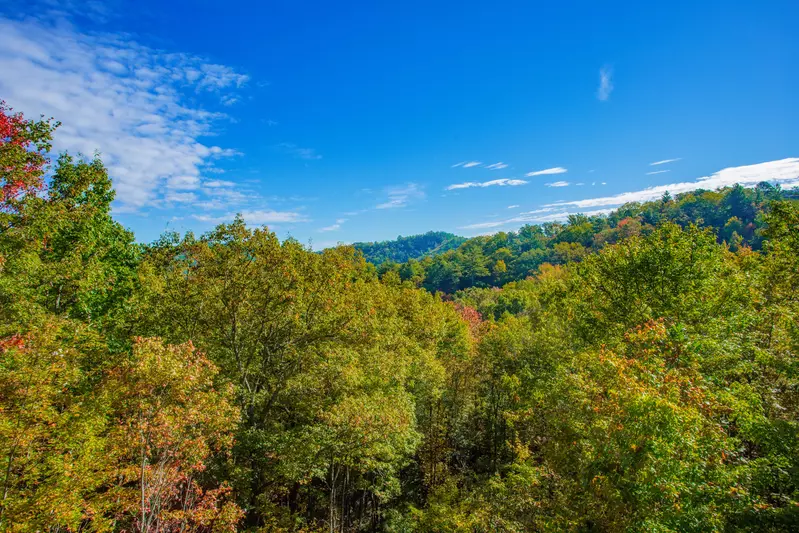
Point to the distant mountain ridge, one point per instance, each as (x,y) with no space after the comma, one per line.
(735,215)
(402,248)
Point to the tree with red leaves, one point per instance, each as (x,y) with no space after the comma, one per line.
(24,145)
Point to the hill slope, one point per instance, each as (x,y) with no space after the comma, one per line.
(733,214)
(414,247)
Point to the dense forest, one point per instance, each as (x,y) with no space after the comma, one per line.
(735,215)
(636,372)
(404,248)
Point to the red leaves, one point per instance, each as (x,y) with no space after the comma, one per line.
(23,145)
(169,420)
(471,316)
(10,126)
(15,341)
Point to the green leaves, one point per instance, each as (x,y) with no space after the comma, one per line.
(640,373)
(169,417)
(64,254)
(52,424)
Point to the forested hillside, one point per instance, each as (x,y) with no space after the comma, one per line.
(404,248)
(641,375)
(735,215)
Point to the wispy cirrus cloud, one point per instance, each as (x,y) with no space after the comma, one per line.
(130,102)
(298,152)
(657,172)
(215,184)
(334,227)
(256,217)
(229,100)
(504,182)
(784,172)
(98,11)
(471,164)
(180,197)
(663,162)
(182,183)
(558,184)
(401,195)
(514,206)
(605,83)
(537,216)
(547,172)
(528,216)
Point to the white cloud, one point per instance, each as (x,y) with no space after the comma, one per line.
(657,172)
(115,96)
(256,217)
(401,196)
(183,182)
(605,83)
(558,184)
(181,197)
(230,196)
(520,218)
(504,182)
(215,184)
(512,206)
(217,77)
(98,11)
(458,164)
(783,171)
(563,215)
(538,216)
(229,100)
(296,151)
(334,227)
(471,164)
(547,172)
(208,205)
(497,166)
(664,161)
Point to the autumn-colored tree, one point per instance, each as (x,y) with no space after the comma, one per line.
(630,372)
(330,366)
(169,417)
(23,157)
(52,443)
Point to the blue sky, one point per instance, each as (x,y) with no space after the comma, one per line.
(353,121)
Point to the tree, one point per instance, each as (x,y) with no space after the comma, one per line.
(168,419)
(52,425)
(63,253)
(323,356)
(23,157)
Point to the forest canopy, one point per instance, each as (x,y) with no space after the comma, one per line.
(404,248)
(634,372)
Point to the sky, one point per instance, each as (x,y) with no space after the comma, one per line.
(338,122)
